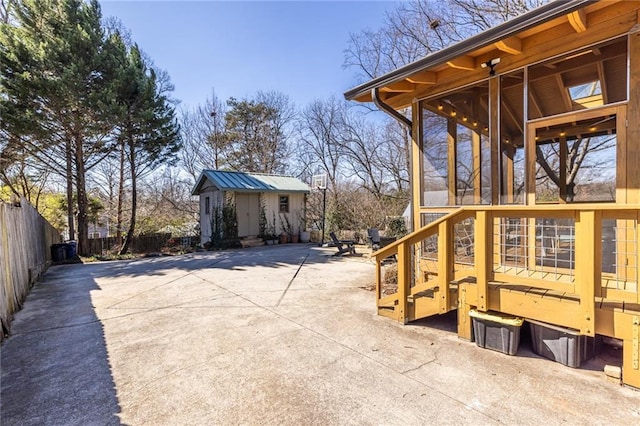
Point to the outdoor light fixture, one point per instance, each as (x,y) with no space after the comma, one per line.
(491,64)
(453,113)
(464,118)
(440,106)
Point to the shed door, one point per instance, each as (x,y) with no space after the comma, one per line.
(248,210)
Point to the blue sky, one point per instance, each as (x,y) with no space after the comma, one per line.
(241,47)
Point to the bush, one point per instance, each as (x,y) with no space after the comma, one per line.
(396,228)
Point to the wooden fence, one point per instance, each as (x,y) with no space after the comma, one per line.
(25,241)
(140,244)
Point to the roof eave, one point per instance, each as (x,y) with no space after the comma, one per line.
(507,29)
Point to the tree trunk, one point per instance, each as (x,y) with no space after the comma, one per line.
(134,198)
(69,175)
(81,190)
(120,195)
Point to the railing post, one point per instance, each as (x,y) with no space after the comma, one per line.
(404,280)
(483,256)
(588,265)
(445,263)
(378,282)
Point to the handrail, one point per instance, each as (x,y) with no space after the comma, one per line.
(417,235)
(588,218)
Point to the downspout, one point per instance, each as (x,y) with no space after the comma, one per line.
(375,95)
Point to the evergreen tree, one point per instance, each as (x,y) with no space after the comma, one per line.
(56,77)
(148,133)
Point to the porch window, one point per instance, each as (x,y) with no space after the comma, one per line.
(284,204)
(580,80)
(456,163)
(512,121)
(576,162)
(207,205)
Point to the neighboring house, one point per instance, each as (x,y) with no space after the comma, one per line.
(97,230)
(282,197)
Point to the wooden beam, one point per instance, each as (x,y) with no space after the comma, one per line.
(445,263)
(511,45)
(611,21)
(400,86)
(494,140)
(633,118)
(477,166)
(404,281)
(564,93)
(563,169)
(417,154)
(588,261)
(423,77)
(452,145)
(578,20)
(483,242)
(462,63)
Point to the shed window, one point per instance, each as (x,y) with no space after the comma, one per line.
(207,205)
(284,204)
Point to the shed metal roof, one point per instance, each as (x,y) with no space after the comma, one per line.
(249,182)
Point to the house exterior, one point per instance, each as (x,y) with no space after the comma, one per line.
(282,199)
(525,175)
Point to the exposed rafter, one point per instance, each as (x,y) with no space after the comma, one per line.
(578,20)
(401,86)
(511,45)
(423,77)
(462,63)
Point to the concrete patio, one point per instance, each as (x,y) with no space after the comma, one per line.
(269,335)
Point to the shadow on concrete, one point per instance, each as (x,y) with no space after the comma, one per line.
(55,364)
(267,256)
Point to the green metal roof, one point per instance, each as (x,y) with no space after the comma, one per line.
(249,182)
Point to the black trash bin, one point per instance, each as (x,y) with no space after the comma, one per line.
(71,249)
(59,252)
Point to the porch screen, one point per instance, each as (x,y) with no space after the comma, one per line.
(456,163)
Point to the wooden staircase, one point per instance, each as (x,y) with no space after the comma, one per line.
(437,272)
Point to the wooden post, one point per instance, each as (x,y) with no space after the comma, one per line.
(417,175)
(483,256)
(445,263)
(464,320)
(452,152)
(477,167)
(562,173)
(633,118)
(588,267)
(494,137)
(404,281)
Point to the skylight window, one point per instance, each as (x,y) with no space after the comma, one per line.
(588,95)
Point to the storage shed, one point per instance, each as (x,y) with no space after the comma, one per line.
(280,201)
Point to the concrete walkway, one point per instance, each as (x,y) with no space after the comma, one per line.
(270,335)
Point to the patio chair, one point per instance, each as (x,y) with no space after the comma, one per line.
(374,238)
(343,246)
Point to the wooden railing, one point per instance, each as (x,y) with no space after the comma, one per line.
(554,250)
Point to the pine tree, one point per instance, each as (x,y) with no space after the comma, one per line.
(148,133)
(56,77)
